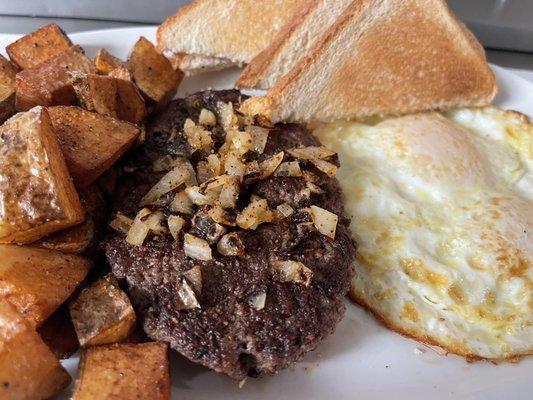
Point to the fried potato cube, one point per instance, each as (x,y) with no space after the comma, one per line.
(91,143)
(124,371)
(38,46)
(36,192)
(102,313)
(58,333)
(83,238)
(28,369)
(105,62)
(7,88)
(48,83)
(109,96)
(36,281)
(153,72)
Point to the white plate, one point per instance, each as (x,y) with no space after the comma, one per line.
(362,360)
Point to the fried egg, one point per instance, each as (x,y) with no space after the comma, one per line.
(442,211)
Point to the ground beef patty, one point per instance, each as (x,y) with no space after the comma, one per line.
(246,320)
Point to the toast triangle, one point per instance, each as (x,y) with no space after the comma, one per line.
(235,30)
(383,57)
(291,44)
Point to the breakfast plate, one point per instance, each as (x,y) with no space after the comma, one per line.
(362,359)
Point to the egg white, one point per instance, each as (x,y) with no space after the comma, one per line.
(442,211)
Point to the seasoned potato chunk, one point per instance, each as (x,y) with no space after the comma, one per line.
(124,371)
(83,238)
(106,62)
(7,89)
(110,96)
(36,192)
(48,83)
(37,281)
(90,142)
(153,72)
(102,313)
(38,46)
(28,369)
(58,333)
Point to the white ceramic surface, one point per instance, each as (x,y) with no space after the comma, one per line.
(362,360)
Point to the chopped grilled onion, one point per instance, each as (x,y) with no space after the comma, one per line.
(175,225)
(194,277)
(228,119)
(139,229)
(326,167)
(233,165)
(269,165)
(220,216)
(324,221)
(290,168)
(206,227)
(229,195)
(204,172)
(214,163)
(292,271)
(309,176)
(311,152)
(258,300)
(259,138)
(154,221)
(285,210)
(255,213)
(186,296)
(170,181)
(164,163)
(196,248)
(197,197)
(207,118)
(241,141)
(230,245)
(121,223)
(182,203)
(314,188)
(196,136)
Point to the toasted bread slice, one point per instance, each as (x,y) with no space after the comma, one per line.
(124,371)
(7,88)
(235,30)
(48,83)
(36,47)
(36,191)
(28,369)
(383,57)
(36,281)
(292,43)
(90,142)
(192,64)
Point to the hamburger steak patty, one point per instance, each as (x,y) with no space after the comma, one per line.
(246,321)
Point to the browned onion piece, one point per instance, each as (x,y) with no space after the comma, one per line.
(255,213)
(233,165)
(196,248)
(289,168)
(292,271)
(175,225)
(154,221)
(182,203)
(121,223)
(228,119)
(311,152)
(324,221)
(326,167)
(269,165)
(196,136)
(259,137)
(194,277)
(207,118)
(170,181)
(139,229)
(187,298)
(285,210)
(230,245)
(258,300)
